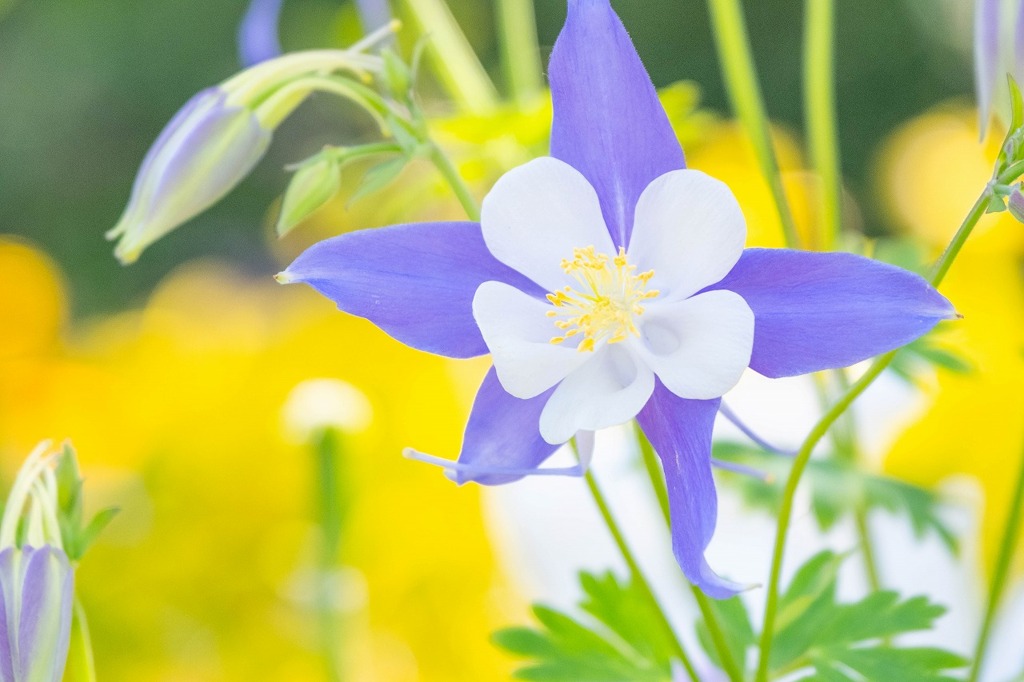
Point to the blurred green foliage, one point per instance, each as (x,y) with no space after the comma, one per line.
(88,85)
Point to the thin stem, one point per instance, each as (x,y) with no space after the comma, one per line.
(327,448)
(741,81)
(718,639)
(637,575)
(453,56)
(451,175)
(1002,570)
(821,428)
(820,113)
(867,549)
(519,49)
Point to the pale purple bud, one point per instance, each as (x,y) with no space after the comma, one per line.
(36,593)
(1016,204)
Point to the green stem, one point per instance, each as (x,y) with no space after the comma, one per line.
(867,549)
(741,81)
(1002,570)
(637,576)
(820,113)
(519,49)
(718,639)
(803,456)
(451,175)
(327,448)
(453,57)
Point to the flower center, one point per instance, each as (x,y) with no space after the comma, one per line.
(606,301)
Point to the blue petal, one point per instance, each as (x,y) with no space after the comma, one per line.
(257,34)
(416,282)
(503,432)
(815,311)
(986,56)
(680,431)
(9,625)
(608,121)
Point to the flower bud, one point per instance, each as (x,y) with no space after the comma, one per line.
(206,149)
(36,585)
(1016,204)
(311,187)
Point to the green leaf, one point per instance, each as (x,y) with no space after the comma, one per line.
(379,177)
(736,626)
(850,642)
(618,637)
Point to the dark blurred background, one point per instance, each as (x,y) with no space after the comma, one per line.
(86,86)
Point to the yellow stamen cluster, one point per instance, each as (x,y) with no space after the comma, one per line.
(605,304)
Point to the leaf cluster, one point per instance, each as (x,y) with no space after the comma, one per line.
(618,637)
(837,488)
(830,641)
(77,535)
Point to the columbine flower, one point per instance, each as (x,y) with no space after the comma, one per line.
(998,50)
(36,579)
(609,282)
(217,138)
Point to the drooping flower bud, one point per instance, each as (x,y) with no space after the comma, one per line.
(311,187)
(206,149)
(220,134)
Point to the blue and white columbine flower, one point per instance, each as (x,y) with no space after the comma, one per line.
(608,282)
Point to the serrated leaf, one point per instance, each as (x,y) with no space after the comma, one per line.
(732,617)
(920,664)
(620,638)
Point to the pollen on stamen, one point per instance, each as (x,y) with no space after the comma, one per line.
(604,305)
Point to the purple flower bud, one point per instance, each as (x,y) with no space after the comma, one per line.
(36,588)
(1016,204)
(208,147)
(257,34)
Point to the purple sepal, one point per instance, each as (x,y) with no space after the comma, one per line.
(36,586)
(815,311)
(416,282)
(257,33)
(608,121)
(503,432)
(986,56)
(680,431)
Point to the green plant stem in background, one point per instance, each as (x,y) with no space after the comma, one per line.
(520,52)
(453,57)
(730,30)
(821,428)
(718,639)
(636,575)
(327,449)
(452,177)
(1002,570)
(820,115)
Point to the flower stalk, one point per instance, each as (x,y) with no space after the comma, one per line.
(820,115)
(825,423)
(1002,570)
(519,49)
(730,30)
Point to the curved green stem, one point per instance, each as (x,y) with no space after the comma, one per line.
(453,57)
(821,428)
(741,81)
(718,639)
(1002,570)
(820,113)
(451,175)
(637,575)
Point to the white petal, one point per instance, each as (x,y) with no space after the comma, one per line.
(689,229)
(698,347)
(611,388)
(536,214)
(518,333)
